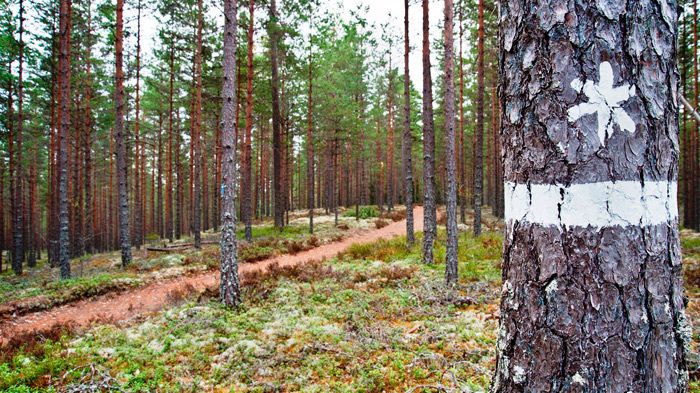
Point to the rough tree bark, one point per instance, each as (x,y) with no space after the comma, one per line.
(138,146)
(451,189)
(87,150)
(277,149)
(124,241)
(479,131)
(169,222)
(429,212)
(462,156)
(229,288)
(390,135)
(310,138)
(694,194)
(592,291)
(17,193)
(196,139)
(407,147)
(64,129)
(246,200)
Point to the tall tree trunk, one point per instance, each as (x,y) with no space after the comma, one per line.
(685,152)
(124,239)
(429,212)
(246,201)
(138,145)
(160,225)
(17,193)
(3,244)
(497,168)
(197,172)
(592,287)
(407,147)
(169,185)
(277,153)
(229,287)
(88,232)
(451,189)
(64,129)
(462,156)
(180,186)
(479,132)
(390,137)
(694,194)
(310,136)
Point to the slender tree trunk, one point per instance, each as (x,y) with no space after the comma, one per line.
(390,137)
(64,129)
(124,240)
(197,172)
(462,156)
(18,194)
(694,194)
(138,145)
(169,185)
(310,138)
(497,168)
(407,137)
(450,158)
(229,287)
(277,149)
(246,208)
(180,186)
(429,212)
(3,244)
(160,225)
(88,232)
(592,287)
(479,132)
(685,151)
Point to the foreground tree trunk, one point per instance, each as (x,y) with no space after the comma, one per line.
(64,129)
(407,147)
(429,212)
(124,240)
(451,197)
(229,288)
(592,290)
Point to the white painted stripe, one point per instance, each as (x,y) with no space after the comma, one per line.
(603,204)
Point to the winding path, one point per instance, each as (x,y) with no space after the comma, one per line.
(122,306)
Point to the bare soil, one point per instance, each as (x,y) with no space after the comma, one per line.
(130,304)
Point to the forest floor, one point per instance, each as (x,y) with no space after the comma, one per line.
(372,319)
(158,277)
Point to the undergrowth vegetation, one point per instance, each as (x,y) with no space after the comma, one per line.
(374,319)
(98,274)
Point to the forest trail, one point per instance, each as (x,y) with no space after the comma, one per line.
(123,306)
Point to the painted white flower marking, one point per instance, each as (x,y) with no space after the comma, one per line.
(605,100)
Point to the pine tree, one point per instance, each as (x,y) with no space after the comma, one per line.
(592,288)
(119,135)
(429,212)
(407,147)
(451,197)
(229,288)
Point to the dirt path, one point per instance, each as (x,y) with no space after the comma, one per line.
(112,308)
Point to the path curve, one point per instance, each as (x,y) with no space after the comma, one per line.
(122,306)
